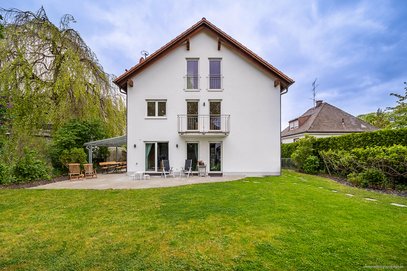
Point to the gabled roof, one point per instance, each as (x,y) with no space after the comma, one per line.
(326,118)
(203,24)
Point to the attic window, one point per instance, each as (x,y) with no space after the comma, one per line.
(293,124)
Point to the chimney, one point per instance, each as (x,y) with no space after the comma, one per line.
(318,103)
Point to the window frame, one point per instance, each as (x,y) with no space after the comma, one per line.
(198,87)
(220,75)
(156,108)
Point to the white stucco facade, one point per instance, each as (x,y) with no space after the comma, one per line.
(252,146)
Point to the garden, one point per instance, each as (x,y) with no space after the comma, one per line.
(292,222)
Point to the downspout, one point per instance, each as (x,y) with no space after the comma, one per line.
(281,93)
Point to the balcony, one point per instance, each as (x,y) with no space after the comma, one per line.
(204,125)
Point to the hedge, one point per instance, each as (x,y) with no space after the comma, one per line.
(384,138)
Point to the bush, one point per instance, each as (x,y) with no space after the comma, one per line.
(74,155)
(30,167)
(288,149)
(371,177)
(361,166)
(311,165)
(303,151)
(6,174)
(73,135)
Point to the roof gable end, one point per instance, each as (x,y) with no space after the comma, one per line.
(183,38)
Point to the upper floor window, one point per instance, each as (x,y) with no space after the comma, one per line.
(192,74)
(215,76)
(293,124)
(156,108)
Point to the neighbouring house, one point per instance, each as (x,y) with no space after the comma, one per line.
(324,120)
(206,97)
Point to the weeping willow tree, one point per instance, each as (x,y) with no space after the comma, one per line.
(49,76)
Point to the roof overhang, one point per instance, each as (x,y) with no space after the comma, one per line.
(283,80)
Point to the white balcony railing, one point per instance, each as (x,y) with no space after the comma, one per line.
(204,124)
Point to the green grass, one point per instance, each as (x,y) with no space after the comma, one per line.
(292,222)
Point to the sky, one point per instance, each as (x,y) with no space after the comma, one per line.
(357,50)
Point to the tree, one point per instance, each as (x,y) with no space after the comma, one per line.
(379,119)
(399,112)
(48,75)
(1,28)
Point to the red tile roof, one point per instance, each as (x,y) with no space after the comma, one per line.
(121,81)
(326,118)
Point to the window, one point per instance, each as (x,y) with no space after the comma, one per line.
(192,115)
(192,74)
(215,77)
(293,124)
(156,108)
(215,115)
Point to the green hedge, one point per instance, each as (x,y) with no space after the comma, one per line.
(351,141)
(376,167)
(363,140)
(288,149)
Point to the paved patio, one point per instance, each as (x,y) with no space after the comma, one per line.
(122,181)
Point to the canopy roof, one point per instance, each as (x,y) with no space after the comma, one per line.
(109,142)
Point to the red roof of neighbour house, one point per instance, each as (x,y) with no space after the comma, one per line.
(224,38)
(326,118)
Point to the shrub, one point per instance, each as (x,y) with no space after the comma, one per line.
(6,175)
(303,151)
(371,177)
(391,162)
(288,149)
(74,155)
(30,167)
(311,165)
(73,135)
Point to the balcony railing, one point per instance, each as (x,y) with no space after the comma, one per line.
(204,124)
(215,81)
(191,82)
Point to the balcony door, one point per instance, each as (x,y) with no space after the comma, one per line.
(192,115)
(214,115)
(155,153)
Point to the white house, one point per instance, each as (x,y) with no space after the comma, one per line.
(324,120)
(204,96)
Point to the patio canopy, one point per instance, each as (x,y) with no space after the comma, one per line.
(108,142)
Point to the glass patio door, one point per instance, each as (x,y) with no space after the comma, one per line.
(192,153)
(215,156)
(155,153)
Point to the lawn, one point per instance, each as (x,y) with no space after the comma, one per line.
(292,222)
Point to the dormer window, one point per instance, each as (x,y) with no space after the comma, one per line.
(293,124)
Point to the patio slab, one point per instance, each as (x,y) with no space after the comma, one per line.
(123,181)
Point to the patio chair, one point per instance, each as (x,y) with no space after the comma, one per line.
(167,170)
(89,171)
(187,170)
(74,171)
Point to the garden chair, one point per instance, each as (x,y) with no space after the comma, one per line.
(167,170)
(187,170)
(89,171)
(74,171)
